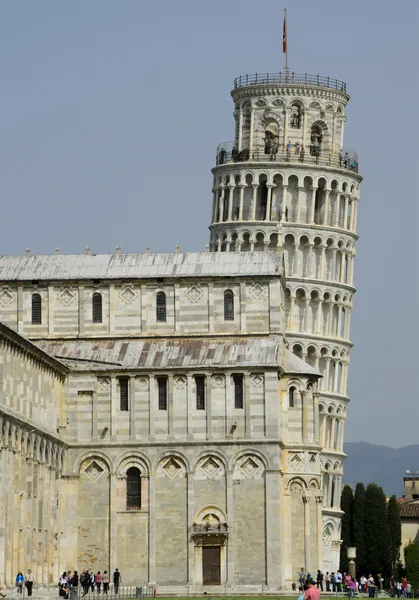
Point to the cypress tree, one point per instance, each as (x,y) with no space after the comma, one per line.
(394,532)
(376,530)
(346,505)
(411,559)
(358,527)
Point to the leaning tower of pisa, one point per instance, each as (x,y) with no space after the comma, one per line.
(287,182)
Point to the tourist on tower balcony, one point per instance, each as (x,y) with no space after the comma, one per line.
(19,582)
(29,582)
(312,593)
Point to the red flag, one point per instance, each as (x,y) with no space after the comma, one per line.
(284,37)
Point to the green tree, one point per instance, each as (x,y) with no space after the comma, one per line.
(358,528)
(346,505)
(394,532)
(376,530)
(411,559)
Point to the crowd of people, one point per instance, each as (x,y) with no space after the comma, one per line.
(343,583)
(88,581)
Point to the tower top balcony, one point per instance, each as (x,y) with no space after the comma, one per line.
(345,159)
(287,79)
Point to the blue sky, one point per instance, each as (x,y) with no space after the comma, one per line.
(112,111)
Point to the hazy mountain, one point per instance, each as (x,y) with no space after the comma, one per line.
(379,464)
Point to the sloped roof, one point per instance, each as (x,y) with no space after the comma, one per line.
(139,266)
(175,353)
(410,510)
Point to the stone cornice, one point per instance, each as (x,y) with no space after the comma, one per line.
(29,425)
(288,89)
(26,346)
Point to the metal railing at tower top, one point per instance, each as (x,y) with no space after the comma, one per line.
(289,78)
(348,159)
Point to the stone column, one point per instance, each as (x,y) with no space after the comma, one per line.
(152,530)
(152,406)
(230,202)
(241,186)
(191,513)
(322,261)
(221,205)
(20,310)
(318,329)
(214,204)
(240,136)
(284,207)
(273,529)
(304,415)
(286,122)
(291,315)
(307,533)
(327,374)
(345,220)
(243,307)
(251,133)
(208,407)
(304,116)
(326,207)
(316,416)
(269,203)
(342,267)
(298,216)
(230,518)
(190,407)
(334,274)
(170,401)
(254,200)
(313,204)
(335,378)
(81,309)
(247,425)
(306,313)
(337,211)
(319,515)
(351,276)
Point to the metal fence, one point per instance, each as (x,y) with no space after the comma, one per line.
(123,593)
(328,160)
(290,78)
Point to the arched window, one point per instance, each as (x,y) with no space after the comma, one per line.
(228,305)
(97,308)
(161,307)
(133,489)
(295,117)
(36,309)
(291,397)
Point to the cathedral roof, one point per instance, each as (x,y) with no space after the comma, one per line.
(175,353)
(139,266)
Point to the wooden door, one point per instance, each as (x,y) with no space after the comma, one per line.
(211,565)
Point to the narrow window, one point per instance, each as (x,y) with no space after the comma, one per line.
(200,392)
(133,489)
(36,309)
(162,385)
(238,391)
(123,393)
(228,305)
(97,308)
(291,397)
(161,307)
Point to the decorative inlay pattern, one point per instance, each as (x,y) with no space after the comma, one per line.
(6,297)
(210,467)
(194,294)
(172,468)
(127,295)
(142,383)
(180,381)
(249,467)
(104,383)
(94,471)
(218,381)
(257,379)
(66,297)
(257,291)
(296,461)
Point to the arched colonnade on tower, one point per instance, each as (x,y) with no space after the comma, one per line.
(285,197)
(332,362)
(317,311)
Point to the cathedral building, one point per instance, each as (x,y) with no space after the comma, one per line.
(181,416)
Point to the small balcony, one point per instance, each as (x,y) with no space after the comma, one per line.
(289,78)
(347,159)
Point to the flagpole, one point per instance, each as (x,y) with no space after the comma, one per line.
(286,40)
